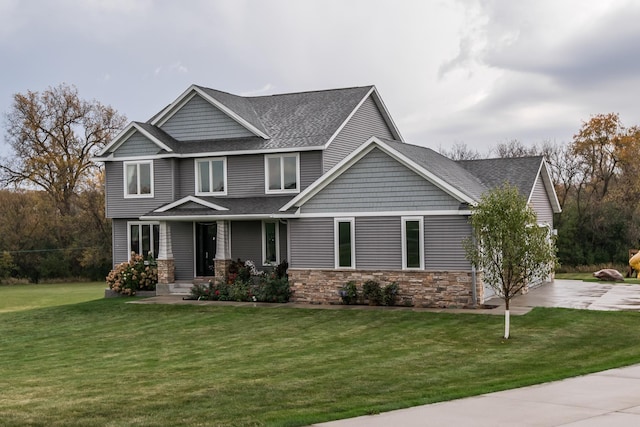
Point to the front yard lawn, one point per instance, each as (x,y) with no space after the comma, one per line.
(109,363)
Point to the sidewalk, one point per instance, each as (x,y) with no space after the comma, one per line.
(610,398)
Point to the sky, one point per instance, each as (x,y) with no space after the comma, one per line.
(473,72)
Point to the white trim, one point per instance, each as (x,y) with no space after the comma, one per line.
(190,199)
(358,154)
(264,243)
(351,114)
(210,160)
(205,218)
(282,190)
(403,239)
(336,243)
(187,95)
(151,242)
(465,212)
(127,133)
(137,163)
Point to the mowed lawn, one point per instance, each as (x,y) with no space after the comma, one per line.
(110,363)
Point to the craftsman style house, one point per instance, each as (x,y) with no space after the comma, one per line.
(321,179)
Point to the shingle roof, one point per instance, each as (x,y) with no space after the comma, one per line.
(253,206)
(441,166)
(520,172)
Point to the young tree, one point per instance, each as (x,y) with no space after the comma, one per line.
(508,246)
(53,135)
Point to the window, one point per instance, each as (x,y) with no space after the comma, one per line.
(412,243)
(211,177)
(138,179)
(344,238)
(282,173)
(144,237)
(270,243)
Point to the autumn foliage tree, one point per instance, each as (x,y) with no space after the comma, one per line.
(53,135)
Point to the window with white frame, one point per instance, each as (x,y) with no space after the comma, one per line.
(345,242)
(138,179)
(282,173)
(144,238)
(270,243)
(211,176)
(413,243)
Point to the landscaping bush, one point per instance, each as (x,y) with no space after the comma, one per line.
(349,293)
(390,294)
(137,274)
(371,291)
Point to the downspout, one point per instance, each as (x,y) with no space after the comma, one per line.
(474,279)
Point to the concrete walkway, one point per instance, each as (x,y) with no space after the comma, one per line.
(610,398)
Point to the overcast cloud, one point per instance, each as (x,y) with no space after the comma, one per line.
(478,72)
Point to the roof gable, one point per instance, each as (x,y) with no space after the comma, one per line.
(144,136)
(428,164)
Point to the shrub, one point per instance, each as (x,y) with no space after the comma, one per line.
(390,294)
(349,293)
(137,274)
(371,291)
(274,289)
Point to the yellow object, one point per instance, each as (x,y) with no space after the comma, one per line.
(634,262)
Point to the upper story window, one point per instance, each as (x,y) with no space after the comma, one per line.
(138,179)
(282,172)
(211,177)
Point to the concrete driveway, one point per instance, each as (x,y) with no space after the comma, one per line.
(577,294)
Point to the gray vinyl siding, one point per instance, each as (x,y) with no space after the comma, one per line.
(378,243)
(283,242)
(119,207)
(246,241)
(198,120)
(541,204)
(182,246)
(378,183)
(365,123)
(120,243)
(246,175)
(136,145)
(443,236)
(311,242)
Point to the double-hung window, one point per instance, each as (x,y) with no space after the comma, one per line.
(413,243)
(345,242)
(270,243)
(138,179)
(211,177)
(282,173)
(144,238)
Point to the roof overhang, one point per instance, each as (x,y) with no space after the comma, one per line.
(543,172)
(123,136)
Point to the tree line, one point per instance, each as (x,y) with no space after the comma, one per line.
(597,180)
(52,194)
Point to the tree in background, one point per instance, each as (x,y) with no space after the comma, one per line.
(53,135)
(508,246)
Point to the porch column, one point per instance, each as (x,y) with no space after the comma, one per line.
(166,265)
(223,249)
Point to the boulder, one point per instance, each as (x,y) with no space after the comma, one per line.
(609,274)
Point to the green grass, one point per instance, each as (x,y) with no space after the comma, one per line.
(28,297)
(109,363)
(588,277)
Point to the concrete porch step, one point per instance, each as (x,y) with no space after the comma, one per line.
(180,288)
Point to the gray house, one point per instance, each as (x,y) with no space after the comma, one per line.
(321,179)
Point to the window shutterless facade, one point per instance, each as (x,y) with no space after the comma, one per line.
(138,179)
(345,242)
(413,243)
(270,243)
(144,238)
(211,177)
(282,173)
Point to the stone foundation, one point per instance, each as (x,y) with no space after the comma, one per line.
(166,271)
(442,289)
(222,268)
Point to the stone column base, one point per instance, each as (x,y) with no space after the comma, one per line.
(166,271)
(222,268)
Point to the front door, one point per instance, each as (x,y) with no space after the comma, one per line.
(205,248)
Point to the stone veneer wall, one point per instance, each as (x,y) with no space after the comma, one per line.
(442,289)
(166,271)
(222,268)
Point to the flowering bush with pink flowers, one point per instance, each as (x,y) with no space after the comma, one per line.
(137,274)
